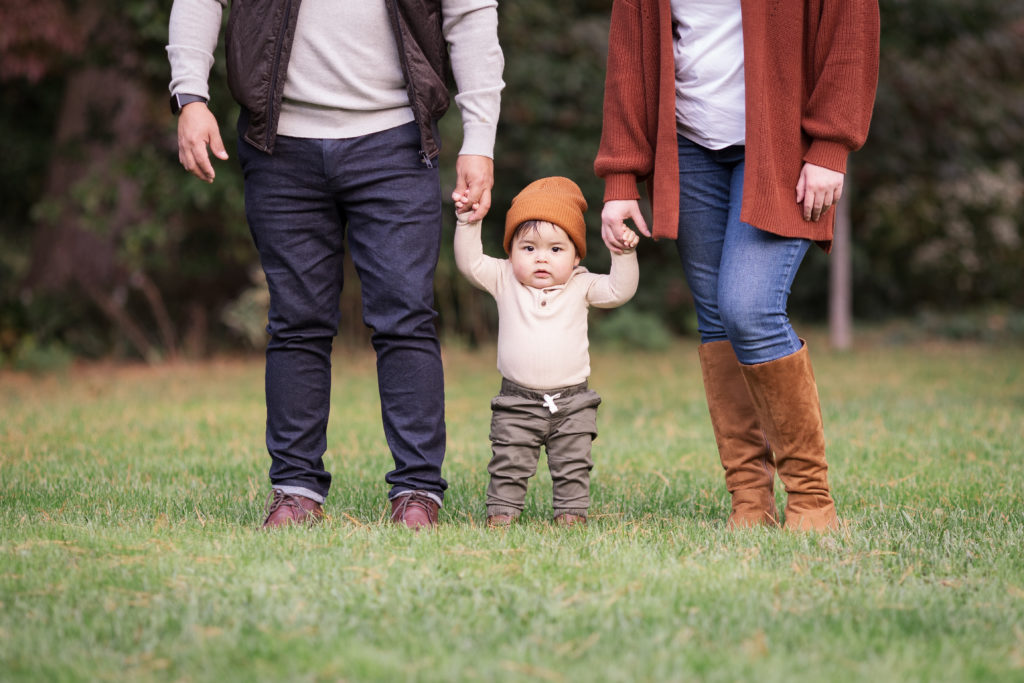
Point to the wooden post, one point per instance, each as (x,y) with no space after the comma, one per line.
(840,304)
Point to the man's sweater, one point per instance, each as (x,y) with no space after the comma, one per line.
(344,77)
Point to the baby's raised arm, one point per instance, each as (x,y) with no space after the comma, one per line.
(619,285)
(481,270)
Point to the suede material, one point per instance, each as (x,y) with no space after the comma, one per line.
(500,521)
(742,445)
(785,397)
(567,519)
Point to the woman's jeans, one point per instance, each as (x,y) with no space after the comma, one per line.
(303,202)
(740,277)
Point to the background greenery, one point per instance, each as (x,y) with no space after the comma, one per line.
(108,247)
(130,502)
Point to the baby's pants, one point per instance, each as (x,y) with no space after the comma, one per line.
(522,421)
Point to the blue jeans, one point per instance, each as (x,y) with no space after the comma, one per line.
(302,203)
(740,277)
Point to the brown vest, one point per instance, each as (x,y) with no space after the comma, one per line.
(259,43)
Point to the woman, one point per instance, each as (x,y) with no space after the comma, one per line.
(740,116)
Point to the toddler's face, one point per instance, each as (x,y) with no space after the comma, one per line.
(544,257)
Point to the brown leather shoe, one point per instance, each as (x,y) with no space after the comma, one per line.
(415,510)
(569,519)
(286,508)
(499,521)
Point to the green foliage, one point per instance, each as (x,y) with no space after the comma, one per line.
(31,356)
(247,314)
(940,187)
(936,196)
(630,330)
(131,548)
(106,163)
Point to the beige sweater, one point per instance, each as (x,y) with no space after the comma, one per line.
(542,333)
(344,78)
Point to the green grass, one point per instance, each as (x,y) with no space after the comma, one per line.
(130,500)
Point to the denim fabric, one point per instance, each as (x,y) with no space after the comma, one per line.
(303,203)
(740,277)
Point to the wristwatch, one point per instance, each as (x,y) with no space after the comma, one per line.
(179,100)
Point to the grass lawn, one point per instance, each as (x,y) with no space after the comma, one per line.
(130,500)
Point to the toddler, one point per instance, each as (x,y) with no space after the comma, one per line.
(543,295)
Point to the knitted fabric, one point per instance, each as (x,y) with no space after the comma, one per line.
(556,200)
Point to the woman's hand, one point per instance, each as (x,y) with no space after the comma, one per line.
(613,223)
(818,189)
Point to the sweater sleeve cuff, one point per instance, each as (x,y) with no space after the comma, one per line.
(478,139)
(620,186)
(831,155)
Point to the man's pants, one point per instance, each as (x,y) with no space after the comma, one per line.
(521,422)
(302,203)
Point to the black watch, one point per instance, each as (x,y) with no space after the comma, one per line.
(179,100)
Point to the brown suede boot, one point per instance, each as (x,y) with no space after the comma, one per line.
(742,446)
(786,399)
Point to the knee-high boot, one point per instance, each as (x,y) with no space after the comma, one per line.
(742,446)
(785,397)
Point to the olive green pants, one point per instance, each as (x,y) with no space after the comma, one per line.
(522,420)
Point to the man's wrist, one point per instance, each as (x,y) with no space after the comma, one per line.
(179,100)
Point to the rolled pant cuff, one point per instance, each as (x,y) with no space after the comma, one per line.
(433,496)
(300,491)
(502,510)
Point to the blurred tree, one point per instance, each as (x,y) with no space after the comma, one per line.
(108,247)
(113,228)
(940,219)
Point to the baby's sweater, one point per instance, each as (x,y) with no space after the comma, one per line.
(542,333)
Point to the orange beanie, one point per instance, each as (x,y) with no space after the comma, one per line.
(556,200)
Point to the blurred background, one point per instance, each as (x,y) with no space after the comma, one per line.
(108,249)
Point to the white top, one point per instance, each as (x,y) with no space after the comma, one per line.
(542,333)
(710,91)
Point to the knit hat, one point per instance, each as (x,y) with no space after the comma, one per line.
(556,200)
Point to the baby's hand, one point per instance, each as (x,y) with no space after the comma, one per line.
(629,240)
(462,203)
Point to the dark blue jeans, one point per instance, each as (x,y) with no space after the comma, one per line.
(303,203)
(740,277)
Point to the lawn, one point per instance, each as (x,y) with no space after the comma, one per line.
(130,501)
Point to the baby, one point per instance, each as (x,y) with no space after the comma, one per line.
(543,296)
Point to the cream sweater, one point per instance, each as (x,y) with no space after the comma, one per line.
(344,78)
(542,333)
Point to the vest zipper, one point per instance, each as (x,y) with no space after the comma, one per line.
(271,128)
(410,82)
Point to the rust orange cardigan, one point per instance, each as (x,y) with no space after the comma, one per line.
(811,69)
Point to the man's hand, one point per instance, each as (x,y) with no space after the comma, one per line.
(613,224)
(197,129)
(818,189)
(475,178)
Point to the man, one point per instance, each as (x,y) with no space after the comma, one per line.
(338,141)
